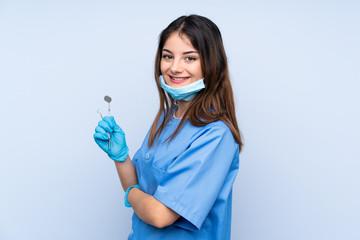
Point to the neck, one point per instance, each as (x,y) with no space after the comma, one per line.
(182,107)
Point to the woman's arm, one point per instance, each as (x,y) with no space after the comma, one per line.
(127,173)
(146,207)
(150,210)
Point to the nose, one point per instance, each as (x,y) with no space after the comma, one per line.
(176,66)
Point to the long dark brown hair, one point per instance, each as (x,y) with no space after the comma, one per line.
(216,101)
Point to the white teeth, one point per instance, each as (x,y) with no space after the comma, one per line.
(178,79)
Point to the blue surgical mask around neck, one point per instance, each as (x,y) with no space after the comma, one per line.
(184,93)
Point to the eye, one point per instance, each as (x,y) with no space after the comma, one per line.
(166,57)
(189,59)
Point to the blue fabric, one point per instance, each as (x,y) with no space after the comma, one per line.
(184,93)
(193,175)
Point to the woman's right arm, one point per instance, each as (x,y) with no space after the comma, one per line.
(127,173)
(146,207)
(150,210)
(107,130)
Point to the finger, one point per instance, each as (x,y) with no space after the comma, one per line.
(103,144)
(112,123)
(110,120)
(101,136)
(104,124)
(99,129)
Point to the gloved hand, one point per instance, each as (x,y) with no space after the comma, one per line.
(118,149)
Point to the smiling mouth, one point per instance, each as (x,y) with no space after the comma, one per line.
(178,79)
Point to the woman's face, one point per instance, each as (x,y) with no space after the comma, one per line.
(180,63)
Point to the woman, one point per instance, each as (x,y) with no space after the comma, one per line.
(179,182)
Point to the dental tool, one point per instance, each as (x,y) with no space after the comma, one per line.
(108,100)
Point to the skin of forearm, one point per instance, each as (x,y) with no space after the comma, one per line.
(146,207)
(150,210)
(127,173)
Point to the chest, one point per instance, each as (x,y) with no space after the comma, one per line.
(152,162)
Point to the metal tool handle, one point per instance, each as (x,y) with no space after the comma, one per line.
(107,133)
(108,100)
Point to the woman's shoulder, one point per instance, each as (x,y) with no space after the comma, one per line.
(218,125)
(216,129)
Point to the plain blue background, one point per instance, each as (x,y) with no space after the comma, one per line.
(294,66)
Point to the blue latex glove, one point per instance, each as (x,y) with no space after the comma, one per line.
(118,148)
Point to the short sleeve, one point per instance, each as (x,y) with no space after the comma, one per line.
(195,178)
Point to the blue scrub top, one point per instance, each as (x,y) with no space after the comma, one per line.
(193,175)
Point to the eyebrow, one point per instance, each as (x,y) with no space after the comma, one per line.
(184,53)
